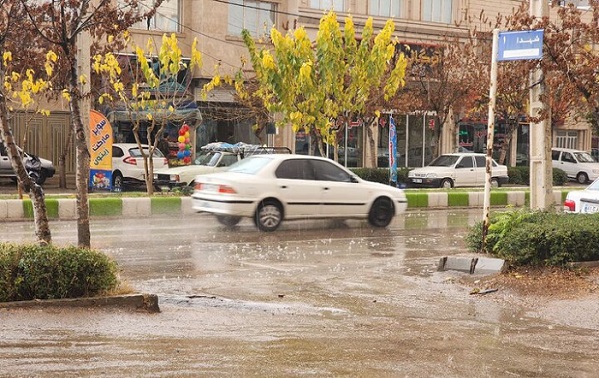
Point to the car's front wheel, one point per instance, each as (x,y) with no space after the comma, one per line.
(268,216)
(582,178)
(495,182)
(228,220)
(446,184)
(381,213)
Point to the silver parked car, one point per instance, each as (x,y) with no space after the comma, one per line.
(458,169)
(38,168)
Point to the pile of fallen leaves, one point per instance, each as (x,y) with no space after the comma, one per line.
(543,281)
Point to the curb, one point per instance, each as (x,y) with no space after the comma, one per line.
(134,302)
(66,208)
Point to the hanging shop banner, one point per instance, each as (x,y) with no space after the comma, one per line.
(100,140)
(392,151)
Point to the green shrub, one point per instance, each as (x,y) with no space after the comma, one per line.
(524,237)
(32,271)
(521,176)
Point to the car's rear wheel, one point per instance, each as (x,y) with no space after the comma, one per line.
(381,213)
(268,216)
(446,184)
(117,182)
(228,220)
(582,178)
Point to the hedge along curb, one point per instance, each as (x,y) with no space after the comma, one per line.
(66,208)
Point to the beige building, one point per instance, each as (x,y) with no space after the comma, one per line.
(217,25)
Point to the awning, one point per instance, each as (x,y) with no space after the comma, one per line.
(187,112)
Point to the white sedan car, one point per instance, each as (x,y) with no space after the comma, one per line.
(583,201)
(273,188)
(458,169)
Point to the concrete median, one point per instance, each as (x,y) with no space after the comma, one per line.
(65,208)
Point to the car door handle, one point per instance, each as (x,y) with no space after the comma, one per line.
(326,188)
(283,186)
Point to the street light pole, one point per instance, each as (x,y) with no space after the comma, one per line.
(541,172)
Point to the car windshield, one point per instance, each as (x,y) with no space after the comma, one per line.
(210,159)
(584,157)
(444,161)
(594,185)
(250,165)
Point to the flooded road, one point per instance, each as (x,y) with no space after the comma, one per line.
(315,298)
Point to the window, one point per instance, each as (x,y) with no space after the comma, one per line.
(336,5)
(165,19)
(481,161)
(384,8)
(258,17)
(437,11)
(295,169)
(326,171)
(567,139)
(466,162)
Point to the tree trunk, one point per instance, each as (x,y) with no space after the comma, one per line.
(40,213)
(62,165)
(82,162)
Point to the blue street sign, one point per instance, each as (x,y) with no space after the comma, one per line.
(520,45)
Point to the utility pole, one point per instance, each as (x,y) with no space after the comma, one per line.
(541,172)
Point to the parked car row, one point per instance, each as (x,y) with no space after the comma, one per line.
(213,157)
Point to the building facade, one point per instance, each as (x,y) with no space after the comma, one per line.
(217,25)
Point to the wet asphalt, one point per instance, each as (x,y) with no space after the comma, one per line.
(315,298)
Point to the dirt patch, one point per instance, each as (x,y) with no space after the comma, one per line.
(551,282)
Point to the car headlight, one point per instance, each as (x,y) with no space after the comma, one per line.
(431,175)
(155,176)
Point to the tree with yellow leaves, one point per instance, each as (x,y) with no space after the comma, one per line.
(154,92)
(318,86)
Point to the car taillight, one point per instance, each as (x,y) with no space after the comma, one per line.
(569,205)
(224,189)
(165,161)
(130,160)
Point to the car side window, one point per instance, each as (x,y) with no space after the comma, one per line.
(566,156)
(2,150)
(481,161)
(295,169)
(117,152)
(466,162)
(555,155)
(227,160)
(326,171)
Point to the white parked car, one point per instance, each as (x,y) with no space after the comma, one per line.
(583,201)
(128,164)
(277,187)
(458,169)
(214,157)
(578,165)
